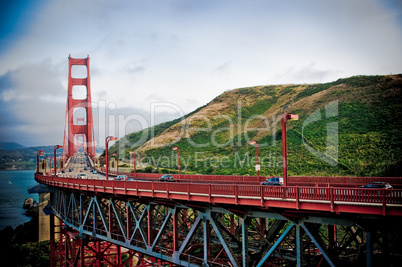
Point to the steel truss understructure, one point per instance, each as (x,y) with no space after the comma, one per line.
(156,232)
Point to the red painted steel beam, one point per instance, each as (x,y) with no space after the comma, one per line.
(349,200)
(175,230)
(150,226)
(71,129)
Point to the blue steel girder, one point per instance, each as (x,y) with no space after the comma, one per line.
(118,218)
(138,223)
(314,239)
(125,222)
(96,203)
(272,249)
(298,249)
(191,233)
(163,227)
(87,213)
(73,211)
(222,240)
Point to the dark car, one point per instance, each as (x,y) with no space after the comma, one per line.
(273,181)
(377,185)
(166,178)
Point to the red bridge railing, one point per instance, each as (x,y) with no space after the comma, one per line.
(340,181)
(332,199)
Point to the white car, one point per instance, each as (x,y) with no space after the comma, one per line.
(81,175)
(121,178)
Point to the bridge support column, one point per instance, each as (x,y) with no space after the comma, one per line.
(244,234)
(127,223)
(150,224)
(331,237)
(175,229)
(298,248)
(232,224)
(109,204)
(369,251)
(207,246)
(262,226)
(45,226)
(52,237)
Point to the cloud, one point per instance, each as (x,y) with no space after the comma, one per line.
(184,52)
(307,74)
(34,102)
(223,68)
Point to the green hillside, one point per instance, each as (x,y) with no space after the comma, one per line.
(22,158)
(347,127)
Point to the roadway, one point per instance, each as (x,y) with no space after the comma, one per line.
(79,164)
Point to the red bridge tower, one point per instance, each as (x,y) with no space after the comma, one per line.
(73,131)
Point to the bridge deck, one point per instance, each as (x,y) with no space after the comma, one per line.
(303,198)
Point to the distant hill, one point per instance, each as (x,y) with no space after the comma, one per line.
(10,145)
(360,115)
(25,157)
(22,158)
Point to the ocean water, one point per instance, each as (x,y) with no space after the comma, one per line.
(13,191)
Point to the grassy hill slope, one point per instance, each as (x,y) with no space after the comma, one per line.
(347,127)
(22,158)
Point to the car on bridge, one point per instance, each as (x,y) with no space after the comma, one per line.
(166,178)
(82,175)
(273,181)
(377,185)
(121,178)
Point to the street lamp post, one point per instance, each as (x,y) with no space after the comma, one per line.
(132,153)
(178,150)
(55,162)
(100,162)
(109,138)
(39,153)
(285,118)
(257,166)
(117,159)
(47,157)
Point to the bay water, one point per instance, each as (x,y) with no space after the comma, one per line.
(13,191)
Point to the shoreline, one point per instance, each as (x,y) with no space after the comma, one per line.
(21,244)
(26,232)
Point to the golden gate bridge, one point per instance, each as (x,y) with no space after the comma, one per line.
(206,220)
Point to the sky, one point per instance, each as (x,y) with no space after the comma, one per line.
(155,60)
